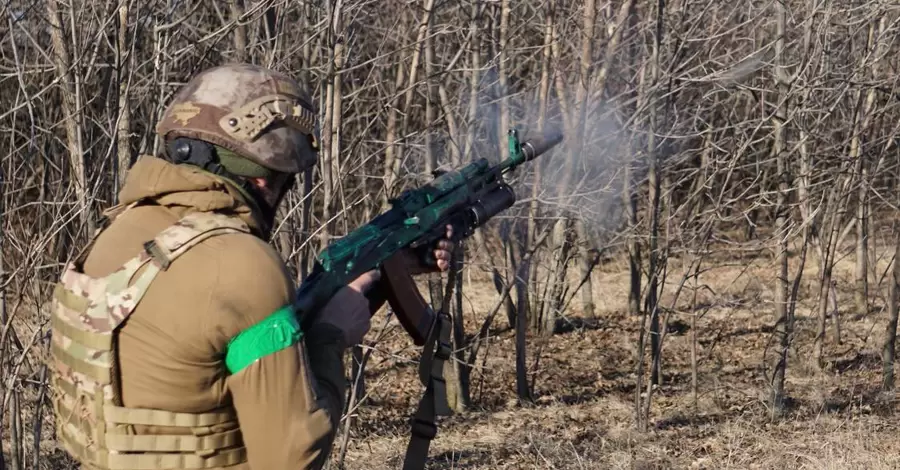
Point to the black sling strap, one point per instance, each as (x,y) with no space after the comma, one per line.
(434,400)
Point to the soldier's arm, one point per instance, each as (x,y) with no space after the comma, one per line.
(288,391)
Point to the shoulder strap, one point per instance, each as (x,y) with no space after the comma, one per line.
(188,232)
(434,400)
(123,291)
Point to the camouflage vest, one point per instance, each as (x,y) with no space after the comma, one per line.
(87,313)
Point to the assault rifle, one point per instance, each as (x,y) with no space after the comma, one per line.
(463,198)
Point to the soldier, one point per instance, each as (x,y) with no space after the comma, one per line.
(173,342)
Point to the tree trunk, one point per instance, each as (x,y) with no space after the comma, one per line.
(392,164)
(69,88)
(890,330)
(861,293)
(523,391)
(336,129)
(236,8)
(123,128)
(3,287)
(862,222)
(835,312)
(15,433)
(587,259)
(653,209)
(561,244)
(474,82)
(785,327)
(694,362)
(332,120)
(630,184)
(461,370)
(630,195)
(530,270)
(430,157)
(392,154)
(307,203)
(824,286)
(502,78)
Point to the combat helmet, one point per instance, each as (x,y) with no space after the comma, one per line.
(243,121)
(260,114)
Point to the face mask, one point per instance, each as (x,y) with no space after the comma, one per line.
(226,164)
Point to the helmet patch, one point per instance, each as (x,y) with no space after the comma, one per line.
(184,112)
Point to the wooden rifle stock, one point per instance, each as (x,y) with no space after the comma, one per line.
(398,289)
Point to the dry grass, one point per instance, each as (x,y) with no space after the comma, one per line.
(583,417)
(584,414)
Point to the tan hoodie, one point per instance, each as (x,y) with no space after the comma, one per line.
(288,403)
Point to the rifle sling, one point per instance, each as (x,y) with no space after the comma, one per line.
(434,400)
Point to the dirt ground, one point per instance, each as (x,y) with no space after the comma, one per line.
(584,386)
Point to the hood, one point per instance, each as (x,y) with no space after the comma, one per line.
(187,189)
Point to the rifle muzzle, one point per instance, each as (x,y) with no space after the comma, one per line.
(533,148)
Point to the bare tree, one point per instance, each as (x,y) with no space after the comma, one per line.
(890,331)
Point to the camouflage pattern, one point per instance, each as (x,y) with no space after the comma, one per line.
(181,236)
(258,113)
(86,315)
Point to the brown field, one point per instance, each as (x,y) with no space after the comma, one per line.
(584,388)
(584,383)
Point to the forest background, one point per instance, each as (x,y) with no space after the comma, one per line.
(701,276)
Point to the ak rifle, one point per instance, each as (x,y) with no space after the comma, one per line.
(465,198)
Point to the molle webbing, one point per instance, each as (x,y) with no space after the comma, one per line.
(91,422)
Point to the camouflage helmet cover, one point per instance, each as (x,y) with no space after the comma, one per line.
(258,113)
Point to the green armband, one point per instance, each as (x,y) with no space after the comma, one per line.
(277,331)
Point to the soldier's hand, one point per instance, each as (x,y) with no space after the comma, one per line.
(442,253)
(348,310)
